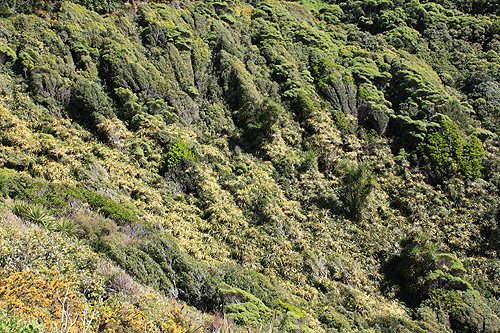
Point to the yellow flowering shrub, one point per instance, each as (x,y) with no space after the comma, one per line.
(146,315)
(50,298)
(63,285)
(136,308)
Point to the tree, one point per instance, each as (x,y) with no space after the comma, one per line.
(357,183)
(450,155)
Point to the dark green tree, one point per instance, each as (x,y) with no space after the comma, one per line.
(450,155)
(357,183)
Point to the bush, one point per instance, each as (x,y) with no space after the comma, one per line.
(178,154)
(50,299)
(9,324)
(136,263)
(105,205)
(12,183)
(337,89)
(252,282)
(467,311)
(6,53)
(357,183)
(58,196)
(449,155)
(88,102)
(34,213)
(176,168)
(244,308)
(157,261)
(192,281)
(420,270)
(101,6)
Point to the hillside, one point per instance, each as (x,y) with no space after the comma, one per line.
(266,166)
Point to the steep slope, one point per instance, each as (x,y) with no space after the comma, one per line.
(304,167)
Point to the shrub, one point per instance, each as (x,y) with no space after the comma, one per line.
(13,183)
(466,311)
(135,262)
(335,87)
(157,261)
(421,270)
(65,226)
(10,324)
(58,196)
(128,101)
(6,53)
(88,101)
(450,155)
(178,154)
(5,11)
(244,308)
(252,282)
(105,205)
(178,160)
(34,212)
(191,279)
(50,299)
(357,183)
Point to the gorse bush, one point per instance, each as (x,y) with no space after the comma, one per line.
(62,285)
(31,295)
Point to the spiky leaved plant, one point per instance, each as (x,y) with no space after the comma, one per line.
(65,226)
(34,212)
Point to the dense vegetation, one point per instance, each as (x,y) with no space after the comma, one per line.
(213,166)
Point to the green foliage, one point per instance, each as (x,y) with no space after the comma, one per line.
(290,308)
(89,102)
(224,124)
(357,184)
(7,54)
(30,6)
(343,123)
(34,213)
(466,310)
(157,261)
(65,226)
(58,196)
(128,100)
(107,206)
(24,247)
(335,86)
(450,155)
(16,325)
(179,153)
(4,11)
(404,37)
(243,307)
(292,319)
(134,261)
(13,183)
(423,273)
(252,282)
(105,6)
